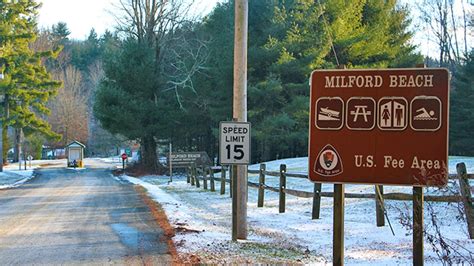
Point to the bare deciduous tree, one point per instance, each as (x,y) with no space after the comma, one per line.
(164,26)
(440,17)
(69,114)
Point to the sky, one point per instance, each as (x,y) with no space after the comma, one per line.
(83,15)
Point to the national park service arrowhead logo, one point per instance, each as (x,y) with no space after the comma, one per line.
(328,162)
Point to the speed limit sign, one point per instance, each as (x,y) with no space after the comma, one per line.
(234,142)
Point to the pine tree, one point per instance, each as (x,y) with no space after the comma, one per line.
(127,101)
(461,136)
(60,33)
(308,35)
(27,84)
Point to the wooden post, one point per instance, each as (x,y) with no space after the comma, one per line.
(223,176)
(196,176)
(193,173)
(338,223)
(204,177)
(466,197)
(233,188)
(418,202)
(188,178)
(282,188)
(211,176)
(239,107)
(379,206)
(261,183)
(231,174)
(171,163)
(316,201)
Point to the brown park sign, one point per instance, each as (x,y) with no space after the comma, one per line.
(186,159)
(379,126)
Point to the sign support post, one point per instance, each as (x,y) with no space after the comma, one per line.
(338,224)
(240,108)
(418,226)
(171,164)
(235,213)
(379,205)
(124,157)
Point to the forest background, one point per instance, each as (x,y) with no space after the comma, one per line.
(164,76)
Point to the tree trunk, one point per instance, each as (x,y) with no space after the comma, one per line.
(17,147)
(5,130)
(149,157)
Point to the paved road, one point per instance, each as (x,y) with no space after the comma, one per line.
(66,216)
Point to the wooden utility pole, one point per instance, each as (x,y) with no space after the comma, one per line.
(240,110)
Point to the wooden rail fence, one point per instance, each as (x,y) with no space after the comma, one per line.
(197,174)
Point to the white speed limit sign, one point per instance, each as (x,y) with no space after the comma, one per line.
(234,143)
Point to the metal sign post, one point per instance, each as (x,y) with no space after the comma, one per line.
(124,157)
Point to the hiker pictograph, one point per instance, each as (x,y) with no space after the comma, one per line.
(392,113)
(360,113)
(425,113)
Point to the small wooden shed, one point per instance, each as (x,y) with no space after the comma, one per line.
(75,152)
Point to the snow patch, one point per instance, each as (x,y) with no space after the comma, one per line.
(203,221)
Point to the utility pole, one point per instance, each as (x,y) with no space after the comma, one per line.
(240,110)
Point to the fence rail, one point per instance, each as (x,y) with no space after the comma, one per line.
(195,175)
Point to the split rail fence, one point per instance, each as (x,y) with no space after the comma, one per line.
(196,175)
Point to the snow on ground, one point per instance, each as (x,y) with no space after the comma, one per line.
(203,222)
(12,176)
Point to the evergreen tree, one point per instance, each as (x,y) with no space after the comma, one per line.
(27,84)
(461,136)
(60,33)
(127,101)
(160,27)
(288,40)
(308,35)
(84,53)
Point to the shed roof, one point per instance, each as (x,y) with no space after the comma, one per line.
(76,144)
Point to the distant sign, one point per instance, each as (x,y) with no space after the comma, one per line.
(379,126)
(185,159)
(234,143)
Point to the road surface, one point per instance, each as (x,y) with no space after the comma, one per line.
(66,216)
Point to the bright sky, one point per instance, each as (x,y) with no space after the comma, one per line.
(83,15)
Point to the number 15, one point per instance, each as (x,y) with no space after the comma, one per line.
(238,150)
